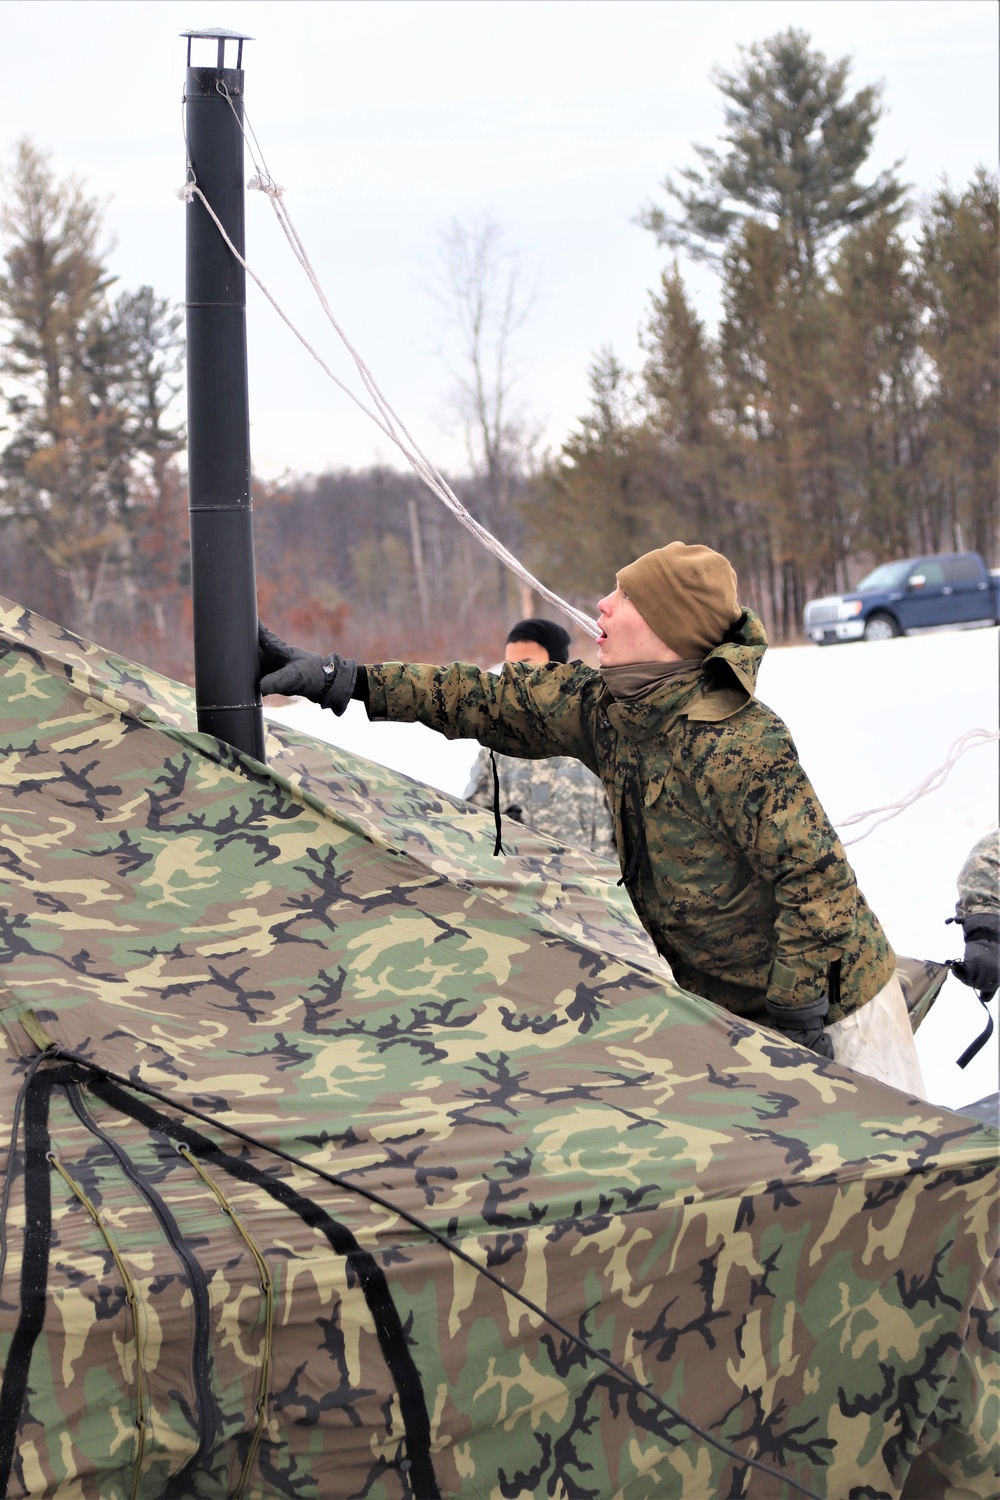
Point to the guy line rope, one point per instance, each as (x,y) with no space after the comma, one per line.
(384,417)
(391,424)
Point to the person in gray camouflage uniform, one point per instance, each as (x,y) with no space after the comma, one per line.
(978,910)
(727,855)
(557,796)
(979,878)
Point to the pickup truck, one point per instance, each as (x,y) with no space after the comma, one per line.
(917,593)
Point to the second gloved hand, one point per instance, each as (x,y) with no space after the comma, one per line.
(803,1024)
(980,965)
(328,681)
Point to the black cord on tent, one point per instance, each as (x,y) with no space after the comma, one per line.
(15,1126)
(346,1185)
(34,1265)
(364,1270)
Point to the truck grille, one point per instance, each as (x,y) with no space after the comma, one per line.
(822,614)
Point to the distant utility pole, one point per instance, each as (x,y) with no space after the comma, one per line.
(222,564)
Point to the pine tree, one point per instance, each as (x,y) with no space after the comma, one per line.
(87,382)
(769,213)
(595,508)
(695,470)
(960,260)
(878,375)
(65,469)
(761,341)
(796,145)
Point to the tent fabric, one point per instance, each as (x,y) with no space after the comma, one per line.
(209,966)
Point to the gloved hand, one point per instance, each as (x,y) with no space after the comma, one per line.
(980,967)
(328,681)
(803,1024)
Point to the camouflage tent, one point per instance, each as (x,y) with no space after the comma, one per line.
(345,1160)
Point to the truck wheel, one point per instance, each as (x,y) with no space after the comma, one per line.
(881,628)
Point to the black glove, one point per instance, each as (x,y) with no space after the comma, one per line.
(803,1024)
(980,967)
(328,681)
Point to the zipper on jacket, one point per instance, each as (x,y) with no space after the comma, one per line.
(208,1419)
(634,850)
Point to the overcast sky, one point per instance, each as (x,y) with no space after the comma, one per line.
(384,120)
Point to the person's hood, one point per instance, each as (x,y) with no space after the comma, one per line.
(731,670)
(724,683)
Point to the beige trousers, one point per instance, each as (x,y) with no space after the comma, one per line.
(877,1039)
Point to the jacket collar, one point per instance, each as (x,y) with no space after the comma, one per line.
(726,682)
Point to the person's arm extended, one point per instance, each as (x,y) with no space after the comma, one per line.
(520,711)
(529,713)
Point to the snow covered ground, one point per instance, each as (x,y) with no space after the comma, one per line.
(871,721)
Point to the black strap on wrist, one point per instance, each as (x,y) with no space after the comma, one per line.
(984,924)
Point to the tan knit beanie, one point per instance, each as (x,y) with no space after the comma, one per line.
(687,595)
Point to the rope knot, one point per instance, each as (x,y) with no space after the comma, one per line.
(259,184)
(187,192)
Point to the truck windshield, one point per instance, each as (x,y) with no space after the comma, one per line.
(889,576)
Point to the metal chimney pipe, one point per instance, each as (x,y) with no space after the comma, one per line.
(222,563)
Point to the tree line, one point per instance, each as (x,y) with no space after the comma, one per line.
(844,410)
(93,524)
(89,481)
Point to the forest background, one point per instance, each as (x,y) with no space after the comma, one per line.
(844,411)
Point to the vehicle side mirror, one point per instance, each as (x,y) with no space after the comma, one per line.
(916,581)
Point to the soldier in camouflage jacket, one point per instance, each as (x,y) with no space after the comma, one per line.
(557,796)
(728,856)
(978,910)
(726,852)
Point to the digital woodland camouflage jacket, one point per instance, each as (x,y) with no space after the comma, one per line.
(557,796)
(729,858)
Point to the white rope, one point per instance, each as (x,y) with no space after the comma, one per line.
(384,416)
(932,783)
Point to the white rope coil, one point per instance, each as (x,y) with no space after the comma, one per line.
(968,741)
(383,415)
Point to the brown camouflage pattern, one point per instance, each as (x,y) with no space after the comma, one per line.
(921,980)
(558,797)
(800,1260)
(731,863)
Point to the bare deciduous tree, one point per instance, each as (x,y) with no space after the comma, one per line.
(481,288)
